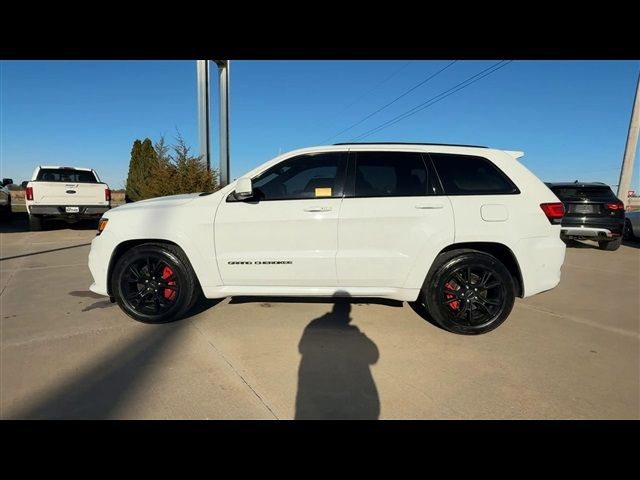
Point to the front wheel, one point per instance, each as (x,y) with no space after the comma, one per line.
(610,245)
(154,283)
(469,293)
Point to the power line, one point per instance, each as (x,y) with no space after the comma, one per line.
(390,103)
(382,82)
(433,100)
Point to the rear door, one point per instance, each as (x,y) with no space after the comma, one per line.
(392,215)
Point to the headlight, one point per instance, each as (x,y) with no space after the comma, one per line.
(102,225)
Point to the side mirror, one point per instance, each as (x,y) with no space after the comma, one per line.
(24,184)
(244,188)
(7,181)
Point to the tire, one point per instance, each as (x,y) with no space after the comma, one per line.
(628,230)
(35,223)
(171,300)
(468,292)
(5,213)
(610,245)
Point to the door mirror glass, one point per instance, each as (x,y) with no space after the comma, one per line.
(24,184)
(7,181)
(244,188)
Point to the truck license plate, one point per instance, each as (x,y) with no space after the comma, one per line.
(72,209)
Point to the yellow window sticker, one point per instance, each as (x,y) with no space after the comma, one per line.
(323,192)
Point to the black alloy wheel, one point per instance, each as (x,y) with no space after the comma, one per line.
(154,283)
(470,292)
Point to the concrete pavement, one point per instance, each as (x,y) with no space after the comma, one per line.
(573,352)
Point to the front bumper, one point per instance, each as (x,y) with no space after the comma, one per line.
(102,248)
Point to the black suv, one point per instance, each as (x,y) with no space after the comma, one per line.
(592,212)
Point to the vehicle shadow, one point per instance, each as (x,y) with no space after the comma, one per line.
(631,243)
(423,313)
(334,376)
(202,305)
(332,300)
(19,222)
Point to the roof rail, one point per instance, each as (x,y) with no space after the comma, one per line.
(412,143)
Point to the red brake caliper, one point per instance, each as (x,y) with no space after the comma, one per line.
(168,293)
(455,305)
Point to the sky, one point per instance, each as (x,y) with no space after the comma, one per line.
(569,117)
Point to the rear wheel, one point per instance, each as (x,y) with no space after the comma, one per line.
(35,223)
(469,292)
(154,283)
(610,245)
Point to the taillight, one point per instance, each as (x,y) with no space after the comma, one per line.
(553,211)
(29,193)
(615,206)
(107,194)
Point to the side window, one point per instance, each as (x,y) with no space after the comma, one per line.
(390,174)
(471,175)
(306,176)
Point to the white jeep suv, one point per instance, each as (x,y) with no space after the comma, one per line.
(460,230)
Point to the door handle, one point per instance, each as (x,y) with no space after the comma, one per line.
(318,209)
(432,206)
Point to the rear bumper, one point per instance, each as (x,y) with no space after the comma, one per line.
(540,260)
(85,211)
(588,232)
(592,227)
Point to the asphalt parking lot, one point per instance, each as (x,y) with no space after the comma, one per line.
(573,352)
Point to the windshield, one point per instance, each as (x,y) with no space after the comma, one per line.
(66,175)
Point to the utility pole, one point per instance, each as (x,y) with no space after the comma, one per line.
(203,111)
(223,96)
(204,115)
(626,172)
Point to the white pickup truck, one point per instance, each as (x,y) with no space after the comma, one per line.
(66,193)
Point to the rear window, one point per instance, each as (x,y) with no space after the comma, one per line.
(567,193)
(471,175)
(66,175)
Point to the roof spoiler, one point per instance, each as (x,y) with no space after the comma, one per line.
(514,153)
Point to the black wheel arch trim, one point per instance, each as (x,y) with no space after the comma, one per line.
(499,251)
(127,245)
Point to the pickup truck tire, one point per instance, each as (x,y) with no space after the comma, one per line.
(610,245)
(468,292)
(5,212)
(35,223)
(154,283)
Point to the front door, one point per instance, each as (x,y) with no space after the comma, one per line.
(287,233)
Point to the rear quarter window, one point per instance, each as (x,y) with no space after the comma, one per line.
(471,175)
